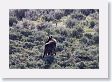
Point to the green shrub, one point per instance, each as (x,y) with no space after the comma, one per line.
(70,23)
(88,35)
(78,33)
(87,11)
(81,65)
(84,40)
(68,11)
(96,39)
(78,16)
(92,24)
(20,13)
(60,39)
(12,20)
(44,25)
(59,47)
(26,32)
(28,45)
(14,36)
(58,15)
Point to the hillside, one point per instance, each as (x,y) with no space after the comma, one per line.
(76,32)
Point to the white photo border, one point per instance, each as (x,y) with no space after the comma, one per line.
(102,72)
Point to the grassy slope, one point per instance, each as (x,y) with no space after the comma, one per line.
(27,44)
